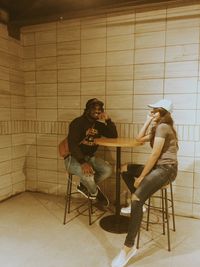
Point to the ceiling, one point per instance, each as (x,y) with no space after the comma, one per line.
(27,12)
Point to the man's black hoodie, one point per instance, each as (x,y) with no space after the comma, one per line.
(82,132)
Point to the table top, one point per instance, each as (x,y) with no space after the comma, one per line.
(117,142)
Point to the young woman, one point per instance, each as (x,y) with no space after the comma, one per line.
(145,180)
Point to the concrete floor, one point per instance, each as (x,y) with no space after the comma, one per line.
(32,234)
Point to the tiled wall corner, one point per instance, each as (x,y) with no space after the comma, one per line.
(128,59)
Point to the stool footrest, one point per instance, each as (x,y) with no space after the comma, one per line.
(68,196)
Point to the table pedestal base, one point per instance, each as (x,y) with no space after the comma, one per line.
(115,224)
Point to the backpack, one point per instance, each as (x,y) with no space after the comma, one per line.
(64,148)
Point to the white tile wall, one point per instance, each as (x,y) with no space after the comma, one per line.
(128,60)
(12,144)
(180,85)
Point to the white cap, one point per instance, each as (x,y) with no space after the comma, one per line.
(163,103)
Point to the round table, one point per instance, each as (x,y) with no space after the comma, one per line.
(116,223)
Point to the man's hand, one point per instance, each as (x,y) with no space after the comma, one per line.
(87,169)
(104,116)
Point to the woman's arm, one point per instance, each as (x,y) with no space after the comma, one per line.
(156,151)
(142,135)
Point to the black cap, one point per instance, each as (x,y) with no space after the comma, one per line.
(93,102)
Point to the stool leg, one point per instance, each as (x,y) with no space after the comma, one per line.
(163,210)
(64,221)
(90,210)
(148,213)
(68,197)
(138,239)
(172,206)
(68,201)
(167,219)
(69,191)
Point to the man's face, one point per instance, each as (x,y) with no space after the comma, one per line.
(95,112)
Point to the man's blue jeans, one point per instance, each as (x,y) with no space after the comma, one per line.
(159,176)
(101,168)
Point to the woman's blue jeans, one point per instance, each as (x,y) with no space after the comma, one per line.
(101,168)
(159,176)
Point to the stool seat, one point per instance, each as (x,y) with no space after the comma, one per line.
(166,203)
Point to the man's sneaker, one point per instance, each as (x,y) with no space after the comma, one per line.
(83,190)
(122,258)
(103,200)
(127,210)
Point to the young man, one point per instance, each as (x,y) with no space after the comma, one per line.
(82,162)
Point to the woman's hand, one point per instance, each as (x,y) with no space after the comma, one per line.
(150,117)
(124,167)
(138,181)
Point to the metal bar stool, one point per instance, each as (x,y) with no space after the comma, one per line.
(164,209)
(69,193)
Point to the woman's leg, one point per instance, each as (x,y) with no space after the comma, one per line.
(133,170)
(151,183)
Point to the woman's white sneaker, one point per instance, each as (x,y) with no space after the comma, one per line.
(122,258)
(127,210)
